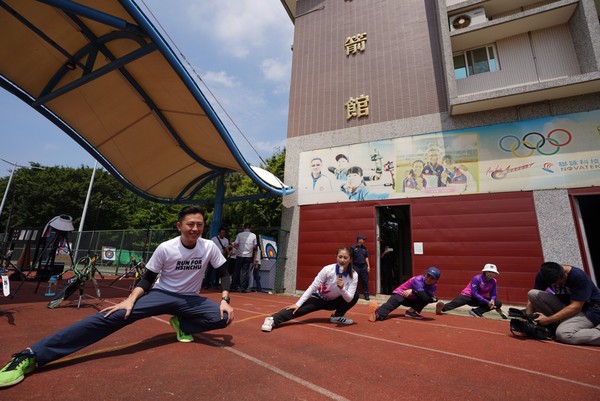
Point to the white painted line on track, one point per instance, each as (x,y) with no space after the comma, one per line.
(334,396)
(272,368)
(468,357)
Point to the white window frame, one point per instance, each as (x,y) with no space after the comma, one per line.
(469,53)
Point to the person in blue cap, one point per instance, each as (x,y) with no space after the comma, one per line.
(416,293)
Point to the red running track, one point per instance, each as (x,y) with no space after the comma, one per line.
(449,357)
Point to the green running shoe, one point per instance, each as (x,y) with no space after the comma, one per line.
(14,371)
(181,336)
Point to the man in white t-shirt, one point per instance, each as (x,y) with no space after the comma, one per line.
(211,279)
(170,285)
(245,244)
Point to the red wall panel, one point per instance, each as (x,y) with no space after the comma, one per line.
(459,235)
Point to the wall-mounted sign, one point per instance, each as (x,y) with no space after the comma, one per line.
(553,152)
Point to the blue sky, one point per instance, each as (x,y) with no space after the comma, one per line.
(241,49)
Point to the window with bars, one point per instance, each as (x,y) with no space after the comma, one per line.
(475,61)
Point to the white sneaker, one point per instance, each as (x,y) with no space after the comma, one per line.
(268,324)
(340,320)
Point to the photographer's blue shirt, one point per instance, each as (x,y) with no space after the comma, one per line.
(578,287)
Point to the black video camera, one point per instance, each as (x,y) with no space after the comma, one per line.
(524,326)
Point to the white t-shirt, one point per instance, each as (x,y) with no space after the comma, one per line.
(180,269)
(246,242)
(325,286)
(224,242)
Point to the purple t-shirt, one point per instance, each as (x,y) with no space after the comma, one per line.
(481,289)
(416,283)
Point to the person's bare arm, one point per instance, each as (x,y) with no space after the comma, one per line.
(570,310)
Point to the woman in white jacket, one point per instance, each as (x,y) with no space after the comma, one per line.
(334,288)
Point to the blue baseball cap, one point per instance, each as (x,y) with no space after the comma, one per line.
(434,272)
(360,236)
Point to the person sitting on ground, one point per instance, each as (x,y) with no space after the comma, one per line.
(565,297)
(480,293)
(334,288)
(179,264)
(416,293)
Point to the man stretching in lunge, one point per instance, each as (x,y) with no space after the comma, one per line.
(181,263)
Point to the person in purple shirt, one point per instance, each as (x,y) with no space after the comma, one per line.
(416,292)
(480,293)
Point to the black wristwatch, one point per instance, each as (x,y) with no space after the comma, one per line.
(226,299)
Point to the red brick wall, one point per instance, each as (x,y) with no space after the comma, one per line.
(460,234)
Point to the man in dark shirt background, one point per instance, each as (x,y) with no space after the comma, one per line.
(360,262)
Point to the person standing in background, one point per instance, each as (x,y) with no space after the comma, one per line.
(360,262)
(245,244)
(211,280)
(256,269)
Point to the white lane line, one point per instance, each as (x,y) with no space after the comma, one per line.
(281,372)
(338,397)
(272,368)
(484,361)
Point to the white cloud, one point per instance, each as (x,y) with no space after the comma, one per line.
(241,51)
(218,78)
(274,70)
(240,27)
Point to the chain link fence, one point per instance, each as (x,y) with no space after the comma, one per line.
(116,249)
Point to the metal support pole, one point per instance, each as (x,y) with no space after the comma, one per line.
(83,214)
(218,210)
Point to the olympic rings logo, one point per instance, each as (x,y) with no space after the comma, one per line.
(515,143)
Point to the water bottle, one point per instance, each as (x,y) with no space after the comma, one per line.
(51,289)
(5,282)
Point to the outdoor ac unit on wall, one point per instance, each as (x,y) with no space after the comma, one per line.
(467,19)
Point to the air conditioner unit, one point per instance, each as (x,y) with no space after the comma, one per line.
(466,19)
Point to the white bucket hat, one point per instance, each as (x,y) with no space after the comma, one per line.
(490,268)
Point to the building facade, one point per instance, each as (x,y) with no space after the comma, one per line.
(457,133)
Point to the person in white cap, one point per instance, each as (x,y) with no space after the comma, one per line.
(480,293)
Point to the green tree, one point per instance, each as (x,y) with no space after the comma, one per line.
(262,212)
(41,193)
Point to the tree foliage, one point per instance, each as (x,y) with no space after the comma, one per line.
(38,194)
(262,212)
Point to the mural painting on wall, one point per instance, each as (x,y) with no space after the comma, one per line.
(553,152)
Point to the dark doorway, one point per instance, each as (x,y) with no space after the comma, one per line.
(395,266)
(589,221)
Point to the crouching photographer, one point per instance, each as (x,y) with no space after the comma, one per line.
(566,297)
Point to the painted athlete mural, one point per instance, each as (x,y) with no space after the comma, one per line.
(553,152)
